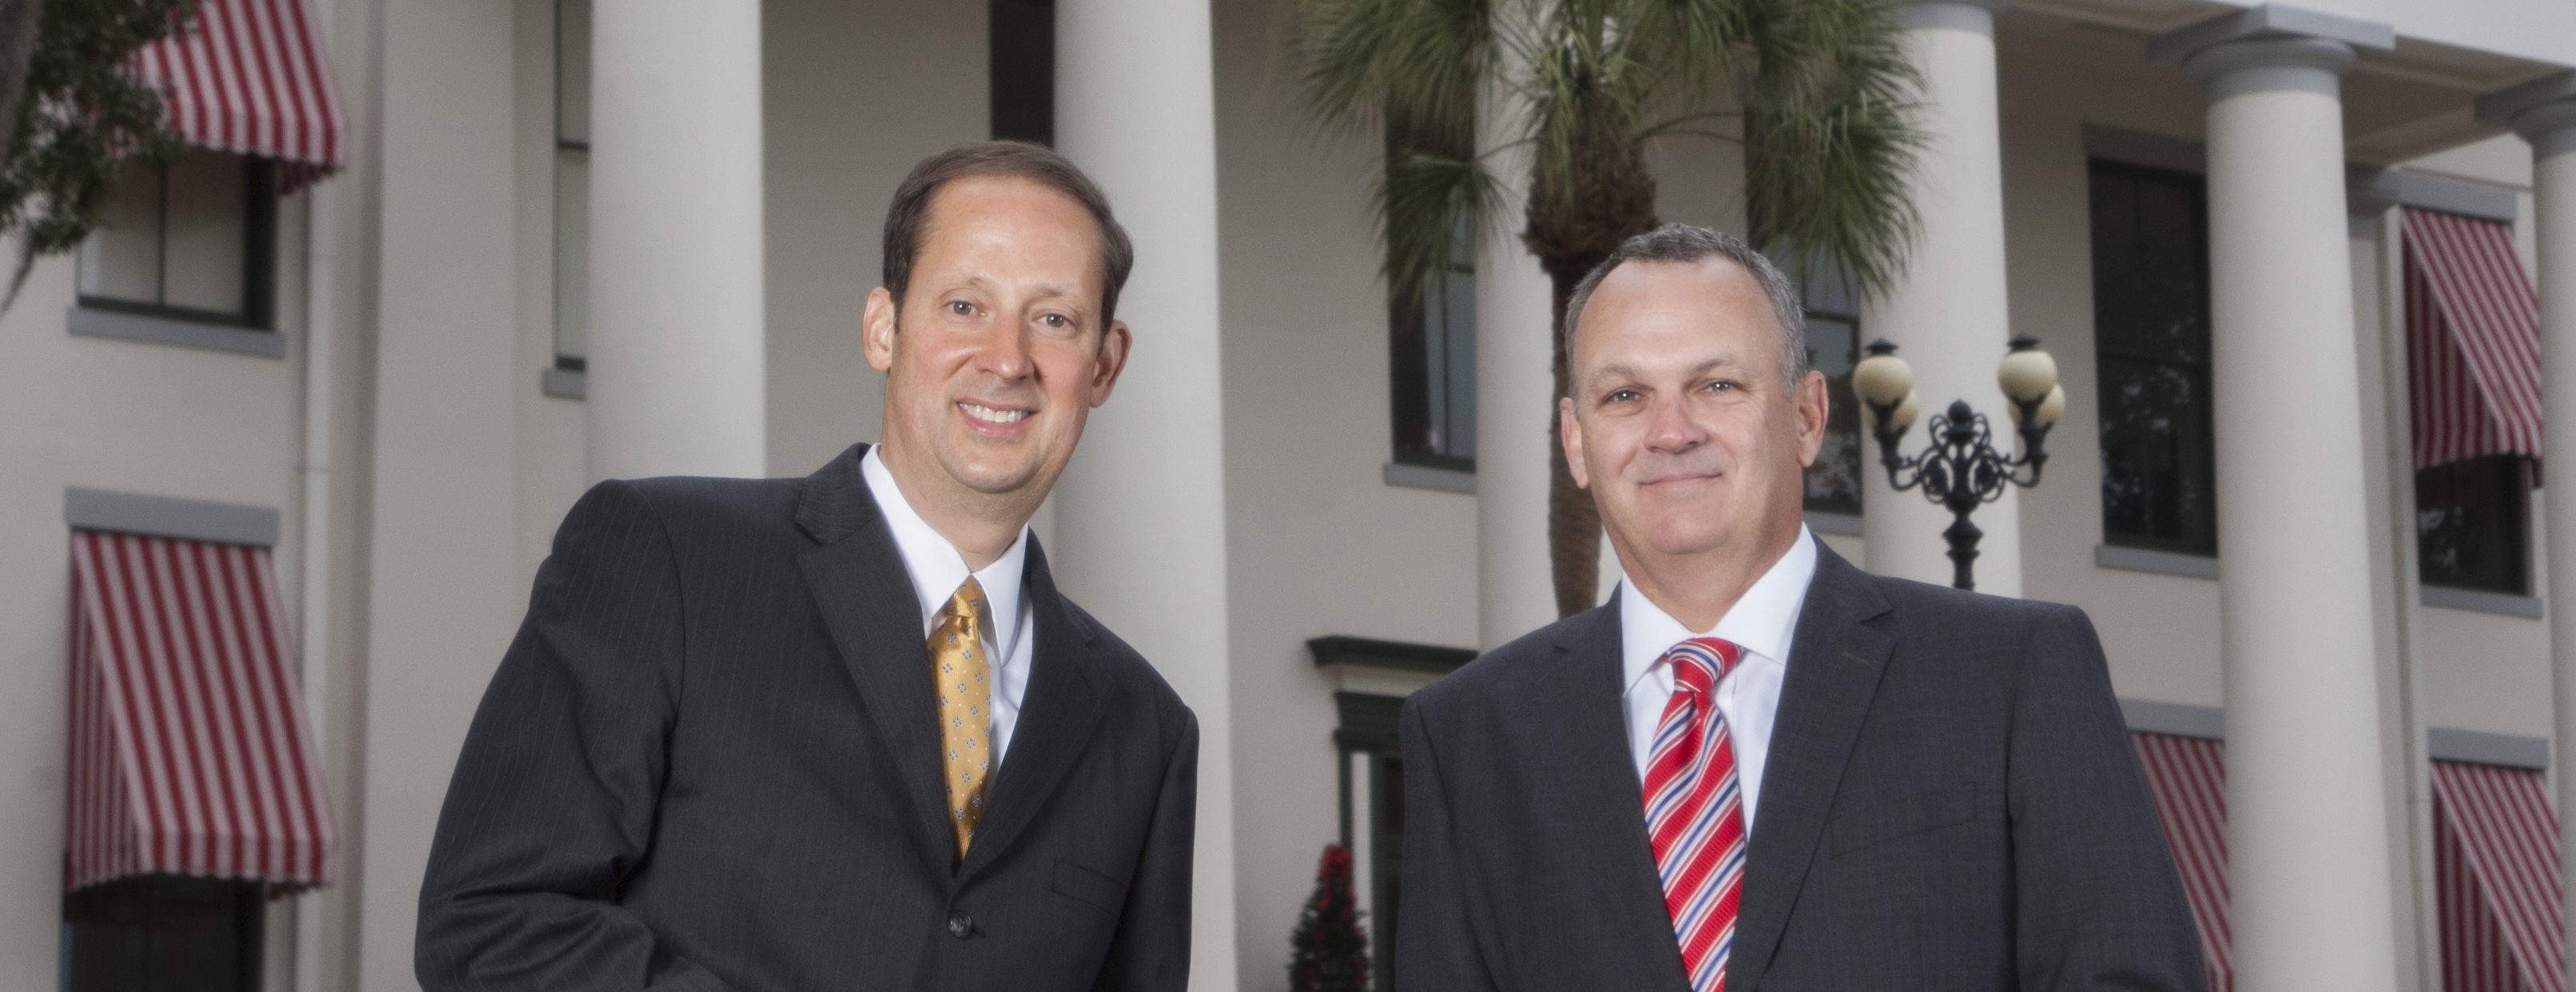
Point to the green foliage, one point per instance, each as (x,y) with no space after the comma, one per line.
(82,116)
(1820,89)
(1328,953)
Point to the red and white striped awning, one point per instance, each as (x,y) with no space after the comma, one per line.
(252,77)
(2472,338)
(2495,845)
(2188,778)
(189,752)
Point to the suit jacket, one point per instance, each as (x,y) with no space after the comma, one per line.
(1951,802)
(710,761)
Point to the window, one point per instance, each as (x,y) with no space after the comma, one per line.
(1372,776)
(193,239)
(162,933)
(2472,524)
(1022,81)
(572,184)
(1434,368)
(1833,346)
(2151,348)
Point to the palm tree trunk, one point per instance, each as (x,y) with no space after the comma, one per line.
(18,22)
(1571,231)
(1573,522)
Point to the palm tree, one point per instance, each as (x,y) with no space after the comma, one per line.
(1819,89)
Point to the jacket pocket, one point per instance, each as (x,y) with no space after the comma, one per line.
(1089,887)
(1904,815)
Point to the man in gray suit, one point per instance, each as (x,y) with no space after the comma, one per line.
(1757,766)
(842,732)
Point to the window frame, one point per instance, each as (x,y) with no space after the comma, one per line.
(2200,521)
(1368,731)
(259,256)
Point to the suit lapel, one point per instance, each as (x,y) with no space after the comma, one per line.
(869,606)
(1605,803)
(1835,662)
(1059,713)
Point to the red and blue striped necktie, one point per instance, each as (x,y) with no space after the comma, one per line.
(1695,810)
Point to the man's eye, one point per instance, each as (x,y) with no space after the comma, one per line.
(961,308)
(1622,395)
(1722,385)
(1056,320)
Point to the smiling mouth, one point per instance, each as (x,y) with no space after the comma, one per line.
(991,415)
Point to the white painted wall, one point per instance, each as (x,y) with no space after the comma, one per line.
(446,581)
(1319,544)
(855,93)
(113,415)
(2160,631)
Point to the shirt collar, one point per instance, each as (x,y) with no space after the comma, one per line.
(937,569)
(1763,622)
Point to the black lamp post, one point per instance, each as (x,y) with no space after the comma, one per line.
(1962,469)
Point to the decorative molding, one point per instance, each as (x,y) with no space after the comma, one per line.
(2148,716)
(170,516)
(2157,562)
(2457,196)
(2155,151)
(2441,743)
(564,384)
(2543,111)
(2481,601)
(2271,21)
(1974,16)
(1364,652)
(2478,747)
(1842,524)
(1447,480)
(89,322)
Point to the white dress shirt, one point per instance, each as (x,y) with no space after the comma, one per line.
(1763,623)
(937,569)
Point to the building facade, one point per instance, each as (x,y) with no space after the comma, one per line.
(2296,486)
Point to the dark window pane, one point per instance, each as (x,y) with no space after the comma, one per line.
(1834,481)
(1432,367)
(162,933)
(2151,346)
(1386,863)
(2471,525)
(1022,34)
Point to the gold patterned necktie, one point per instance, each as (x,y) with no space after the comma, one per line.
(962,673)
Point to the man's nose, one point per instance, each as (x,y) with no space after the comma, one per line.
(1672,430)
(1006,354)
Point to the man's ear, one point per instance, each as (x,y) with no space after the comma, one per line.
(1813,405)
(1569,432)
(1109,361)
(876,329)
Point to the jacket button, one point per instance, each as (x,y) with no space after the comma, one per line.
(960,924)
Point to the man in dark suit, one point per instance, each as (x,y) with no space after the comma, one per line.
(842,732)
(1757,766)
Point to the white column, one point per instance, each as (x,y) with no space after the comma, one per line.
(1515,398)
(1140,515)
(676,309)
(2549,123)
(1949,317)
(2307,824)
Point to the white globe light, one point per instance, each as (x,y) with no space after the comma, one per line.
(2027,374)
(1882,379)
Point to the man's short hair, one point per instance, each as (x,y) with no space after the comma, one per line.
(909,217)
(1684,244)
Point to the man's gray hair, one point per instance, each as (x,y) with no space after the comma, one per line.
(1687,243)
